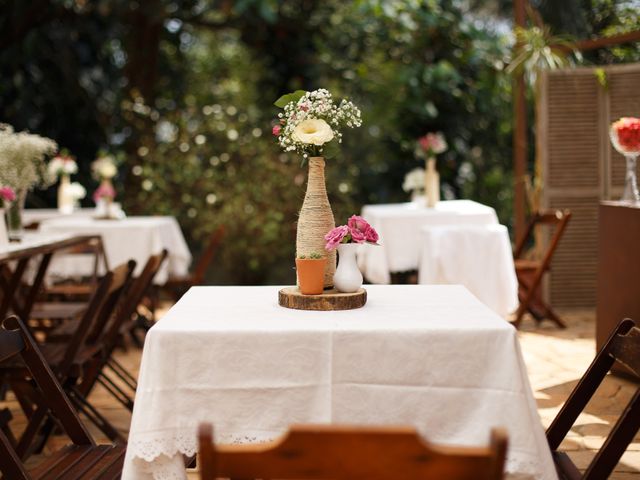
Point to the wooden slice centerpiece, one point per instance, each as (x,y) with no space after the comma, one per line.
(290,297)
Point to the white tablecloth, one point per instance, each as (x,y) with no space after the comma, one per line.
(134,238)
(429,356)
(37,215)
(399,225)
(476,256)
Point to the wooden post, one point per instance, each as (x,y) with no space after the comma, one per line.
(519,135)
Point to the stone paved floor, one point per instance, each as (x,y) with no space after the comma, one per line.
(556,359)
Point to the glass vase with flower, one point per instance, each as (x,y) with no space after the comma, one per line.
(625,137)
(22,167)
(7,195)
(427,147)
(104,169)
(62,167)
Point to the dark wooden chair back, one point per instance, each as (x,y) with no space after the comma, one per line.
(139,288)
(341,453)
(15,340)
(200,270)
(78,339)
(558,219)
(623,346)
(114,296)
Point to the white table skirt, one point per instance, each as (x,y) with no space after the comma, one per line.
(399,226)
(477,256)
(134,238)
(429,356)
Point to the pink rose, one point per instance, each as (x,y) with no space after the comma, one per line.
(104,191)
(276,130)
(335,237)
(7,194)
(358,227)
(371,235)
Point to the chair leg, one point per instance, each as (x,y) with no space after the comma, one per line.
(95,417)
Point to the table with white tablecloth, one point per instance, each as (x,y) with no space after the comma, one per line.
(134,238)
(476,256)
(424,355)
(399,226)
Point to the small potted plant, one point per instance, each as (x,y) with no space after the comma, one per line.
(311,273)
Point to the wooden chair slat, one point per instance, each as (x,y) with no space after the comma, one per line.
(624,340)
(626,350)
(338,452)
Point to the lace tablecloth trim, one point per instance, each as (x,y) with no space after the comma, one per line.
(157,450)
(184,442)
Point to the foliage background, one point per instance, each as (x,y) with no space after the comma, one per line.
(183,91)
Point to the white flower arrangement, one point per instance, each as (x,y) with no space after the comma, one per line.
(104,167)
(311,122)
(414,180)
(22,159)
(76,191)
(62,165)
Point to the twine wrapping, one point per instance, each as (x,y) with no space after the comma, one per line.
(316,219)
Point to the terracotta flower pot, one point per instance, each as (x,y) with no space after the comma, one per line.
(311,275)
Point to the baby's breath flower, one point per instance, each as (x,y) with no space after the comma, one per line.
(315,105)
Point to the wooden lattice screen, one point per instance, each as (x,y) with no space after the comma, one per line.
(580,167)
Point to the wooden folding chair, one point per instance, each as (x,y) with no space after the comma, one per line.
(105,366)
(82,460)
(531,272)
(81,289)
(178,285)
(70,361)
(623,346)
(353,453)
(140,322)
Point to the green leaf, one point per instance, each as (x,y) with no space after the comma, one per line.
(289,97)
(330,150)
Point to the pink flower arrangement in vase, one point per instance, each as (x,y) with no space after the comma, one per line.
(427,147)
(103,197)
(346,239)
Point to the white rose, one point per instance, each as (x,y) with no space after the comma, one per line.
(108,170)
(77,191)
(313,131)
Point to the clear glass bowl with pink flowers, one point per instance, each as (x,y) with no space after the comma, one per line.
(625,138)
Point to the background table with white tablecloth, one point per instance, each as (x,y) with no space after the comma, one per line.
(130,238)
(399,226)
(429,356)
(476,256)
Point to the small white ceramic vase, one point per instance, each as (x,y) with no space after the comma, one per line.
(347,278)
